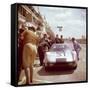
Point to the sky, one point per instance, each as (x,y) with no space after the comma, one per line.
(73,20)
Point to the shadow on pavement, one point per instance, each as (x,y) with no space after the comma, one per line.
(44,72)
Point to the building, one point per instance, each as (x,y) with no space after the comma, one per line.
(27,14)
(31,14)
(48,29)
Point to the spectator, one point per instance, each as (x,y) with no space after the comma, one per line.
(29,52)
(61,39)
(57,40)
(20,50)
(42,48)
(77,47)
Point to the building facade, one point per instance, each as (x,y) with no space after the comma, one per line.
(31,14)
(27,14)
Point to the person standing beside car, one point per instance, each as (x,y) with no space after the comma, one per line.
(42,48)
(61,39)
(76,46)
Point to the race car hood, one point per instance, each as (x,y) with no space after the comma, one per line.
(61,55)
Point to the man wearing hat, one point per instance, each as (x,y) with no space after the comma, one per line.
(30,40)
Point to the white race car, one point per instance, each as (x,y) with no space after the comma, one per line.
(61,56)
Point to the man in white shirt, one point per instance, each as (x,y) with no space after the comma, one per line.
(77,47)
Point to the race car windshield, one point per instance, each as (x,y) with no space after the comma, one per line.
(59,47)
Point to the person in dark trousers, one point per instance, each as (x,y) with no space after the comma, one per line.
(77,47)
(61,39)
(20,50)
(42,48)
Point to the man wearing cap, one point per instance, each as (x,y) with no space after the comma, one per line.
(30,40)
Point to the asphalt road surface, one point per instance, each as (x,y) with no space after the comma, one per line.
(40,76)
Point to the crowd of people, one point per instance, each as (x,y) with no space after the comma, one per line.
(45,44)
(29,45)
